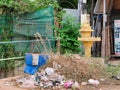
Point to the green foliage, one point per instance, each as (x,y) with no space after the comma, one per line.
(46,3)
(113,70)
(15,7)
(68,35)
(7,50)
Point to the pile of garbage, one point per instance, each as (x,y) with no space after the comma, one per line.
(45,79)
(63,72)
(49,79)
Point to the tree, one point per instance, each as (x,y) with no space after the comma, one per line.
(21,6)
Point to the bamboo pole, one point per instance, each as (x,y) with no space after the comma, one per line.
(14,58)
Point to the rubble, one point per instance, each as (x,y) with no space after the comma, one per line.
(116,77)
(84,83)
(94,82)
(49,71)
(47,78)
(68,84)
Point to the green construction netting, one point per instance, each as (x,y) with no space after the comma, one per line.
(2,23)
(26,25)
(40,21)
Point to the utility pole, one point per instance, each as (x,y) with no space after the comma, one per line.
(80,8)
(104,14)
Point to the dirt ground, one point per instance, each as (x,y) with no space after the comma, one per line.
(101,87)
(110,84)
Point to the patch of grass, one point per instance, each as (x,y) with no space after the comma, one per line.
(113,70)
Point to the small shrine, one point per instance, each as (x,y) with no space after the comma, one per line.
(87,39)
